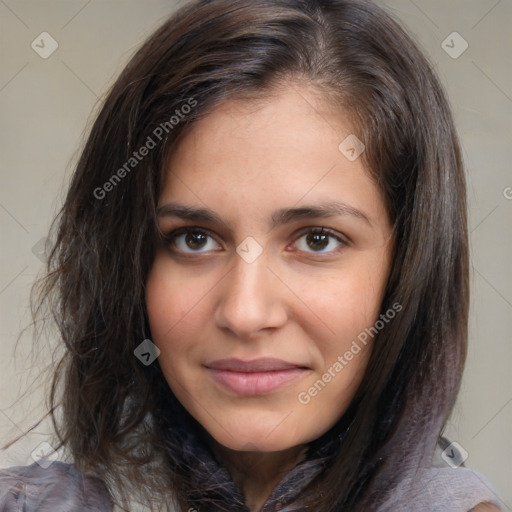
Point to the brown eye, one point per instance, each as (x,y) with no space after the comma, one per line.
(317,240)
(195,240)
(190,241)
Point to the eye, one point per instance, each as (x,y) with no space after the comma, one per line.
(192,240)
(320,240)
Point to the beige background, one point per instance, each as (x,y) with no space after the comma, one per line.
(46,104)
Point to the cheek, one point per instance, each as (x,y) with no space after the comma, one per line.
(173,299)
(342,306)
(170,304)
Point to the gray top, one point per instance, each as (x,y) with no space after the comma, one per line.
(442,489)
(62,488)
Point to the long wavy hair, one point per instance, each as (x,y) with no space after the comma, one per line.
(103,400)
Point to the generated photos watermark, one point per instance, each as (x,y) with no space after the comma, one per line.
(151,142)
(44,454)
(304,397)
(147,352)
(454,455)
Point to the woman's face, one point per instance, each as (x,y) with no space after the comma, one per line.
(258,316)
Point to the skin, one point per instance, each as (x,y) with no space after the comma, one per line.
(486,507)
(301,300)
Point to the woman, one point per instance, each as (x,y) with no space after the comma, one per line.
(260,274)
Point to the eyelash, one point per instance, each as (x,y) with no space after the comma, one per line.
(171,237)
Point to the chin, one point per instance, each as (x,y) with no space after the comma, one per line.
(259,436)
(247,443)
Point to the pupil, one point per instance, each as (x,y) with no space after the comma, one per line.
(315,238)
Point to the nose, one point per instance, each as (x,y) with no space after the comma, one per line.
(251,299)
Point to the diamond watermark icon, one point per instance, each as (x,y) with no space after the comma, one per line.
(249,250)
(44,45)
(147,352)
(351,147)
(454,455)
(42,249)
(44,455)
(454,45)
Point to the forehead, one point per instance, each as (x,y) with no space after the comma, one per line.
(284,125)
(282,149)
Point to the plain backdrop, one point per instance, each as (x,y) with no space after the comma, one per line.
(47,105)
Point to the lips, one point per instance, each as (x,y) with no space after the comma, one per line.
(256,377)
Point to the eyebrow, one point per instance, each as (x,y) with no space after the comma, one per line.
(278,218)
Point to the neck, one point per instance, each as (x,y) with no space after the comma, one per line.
(257,473)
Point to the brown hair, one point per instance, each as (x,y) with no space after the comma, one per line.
(207,53)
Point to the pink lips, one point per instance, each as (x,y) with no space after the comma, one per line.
(255,377)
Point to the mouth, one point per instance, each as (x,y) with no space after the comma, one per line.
(252,378)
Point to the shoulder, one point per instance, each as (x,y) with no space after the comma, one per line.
(59,487)
(486,507)
(437,489)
